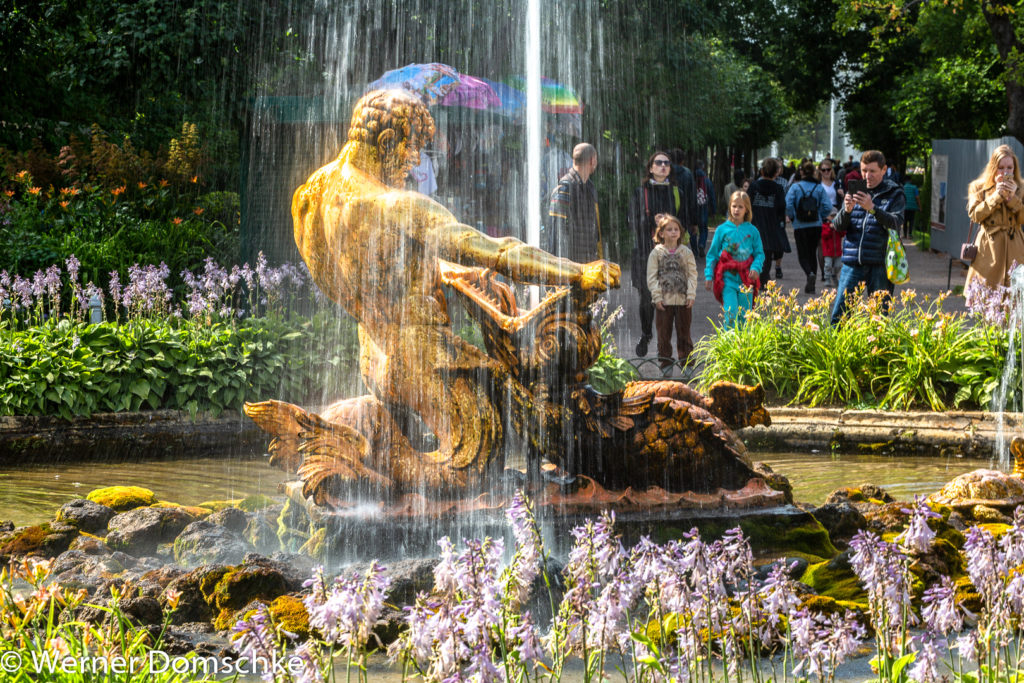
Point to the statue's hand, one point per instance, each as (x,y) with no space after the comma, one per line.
(597,276)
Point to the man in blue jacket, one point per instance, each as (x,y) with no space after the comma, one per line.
(867,218)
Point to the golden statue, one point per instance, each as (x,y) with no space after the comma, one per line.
(387,255)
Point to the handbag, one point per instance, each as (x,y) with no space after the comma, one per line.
(969,250)
(896,267)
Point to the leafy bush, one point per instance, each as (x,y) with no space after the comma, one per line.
(610,373)
(71,368)
(916,355)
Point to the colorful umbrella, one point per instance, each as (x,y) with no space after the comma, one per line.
(473,93)
(555,98)
(432,82)
(512,101)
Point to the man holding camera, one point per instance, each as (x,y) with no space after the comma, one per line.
(870,208)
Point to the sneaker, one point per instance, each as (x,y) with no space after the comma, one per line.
(809,289)
(641,346)
(778,273)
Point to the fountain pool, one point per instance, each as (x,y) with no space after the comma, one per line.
(31,494)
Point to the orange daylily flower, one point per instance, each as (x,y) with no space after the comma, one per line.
(21,175)
(176,221)
(35,190)
(118,190)
(9,193)
(142,185)
(164,183)
(64,204)
(198,211)
(195,179)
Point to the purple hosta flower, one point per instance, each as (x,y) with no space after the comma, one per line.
(5,288)
(72,265)
(248,275)
(882,569)
(346,614)
(984,565)
(310,673)
(990,303)
(941,613)
(917,538)
(147,291)
(25,293)
(926,662)
(734,557)
(39,284)
(969,646)
(51,280)
(115,288)
(594,564)
(451,631)
(776,598)
(254,639)
(524,640)
(823,642)
(526,562)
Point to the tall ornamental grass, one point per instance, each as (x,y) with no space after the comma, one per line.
(912,356)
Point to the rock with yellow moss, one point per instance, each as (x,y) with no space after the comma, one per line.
(122,498)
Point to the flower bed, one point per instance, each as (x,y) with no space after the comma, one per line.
(914,356)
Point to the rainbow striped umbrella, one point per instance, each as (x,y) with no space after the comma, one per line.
(555,97)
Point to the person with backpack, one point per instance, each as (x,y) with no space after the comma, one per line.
(807,206)
(705,206)
(768,203)
(656,195)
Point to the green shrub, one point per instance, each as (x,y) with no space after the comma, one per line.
(71,368)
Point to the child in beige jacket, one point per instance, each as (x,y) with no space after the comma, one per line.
(672,279)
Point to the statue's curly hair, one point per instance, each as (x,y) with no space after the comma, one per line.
(385,118)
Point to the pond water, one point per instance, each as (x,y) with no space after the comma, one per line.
(31,494)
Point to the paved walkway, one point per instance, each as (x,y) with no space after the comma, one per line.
(927,276)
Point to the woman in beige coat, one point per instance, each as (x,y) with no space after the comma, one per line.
(994,202)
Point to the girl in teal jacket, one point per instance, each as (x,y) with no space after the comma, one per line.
(734,261)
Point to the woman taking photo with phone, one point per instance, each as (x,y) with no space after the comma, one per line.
(994,203)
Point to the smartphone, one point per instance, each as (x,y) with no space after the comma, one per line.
(854,186)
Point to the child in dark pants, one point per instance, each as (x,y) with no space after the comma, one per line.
(672,280)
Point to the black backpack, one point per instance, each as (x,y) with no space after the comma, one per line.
(807,208)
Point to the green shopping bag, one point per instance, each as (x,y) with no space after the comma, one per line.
(896,268)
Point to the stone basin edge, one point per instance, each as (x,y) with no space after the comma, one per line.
(141,435)
(837,430)
(172,433)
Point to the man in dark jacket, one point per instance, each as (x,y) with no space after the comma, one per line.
(574,230)
(867,218)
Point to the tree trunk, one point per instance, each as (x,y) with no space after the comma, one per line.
(997,13)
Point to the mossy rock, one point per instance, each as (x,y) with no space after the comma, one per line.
(42,540)
(216,505)
(256,502)
(122,498)
(995,528)
(835,579)
(784,535)
(242,585)
(197,511)
(290,613)
(966,595)
(316,546)
(292,526)
(209,581)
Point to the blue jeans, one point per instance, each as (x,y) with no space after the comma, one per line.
(873,277)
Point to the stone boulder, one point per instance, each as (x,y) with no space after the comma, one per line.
(230,518)
(122,498)
(42,540)
(86,515)
(842,521)
(203,542)
(142,530)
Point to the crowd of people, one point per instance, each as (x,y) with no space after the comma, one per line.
(840,215)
